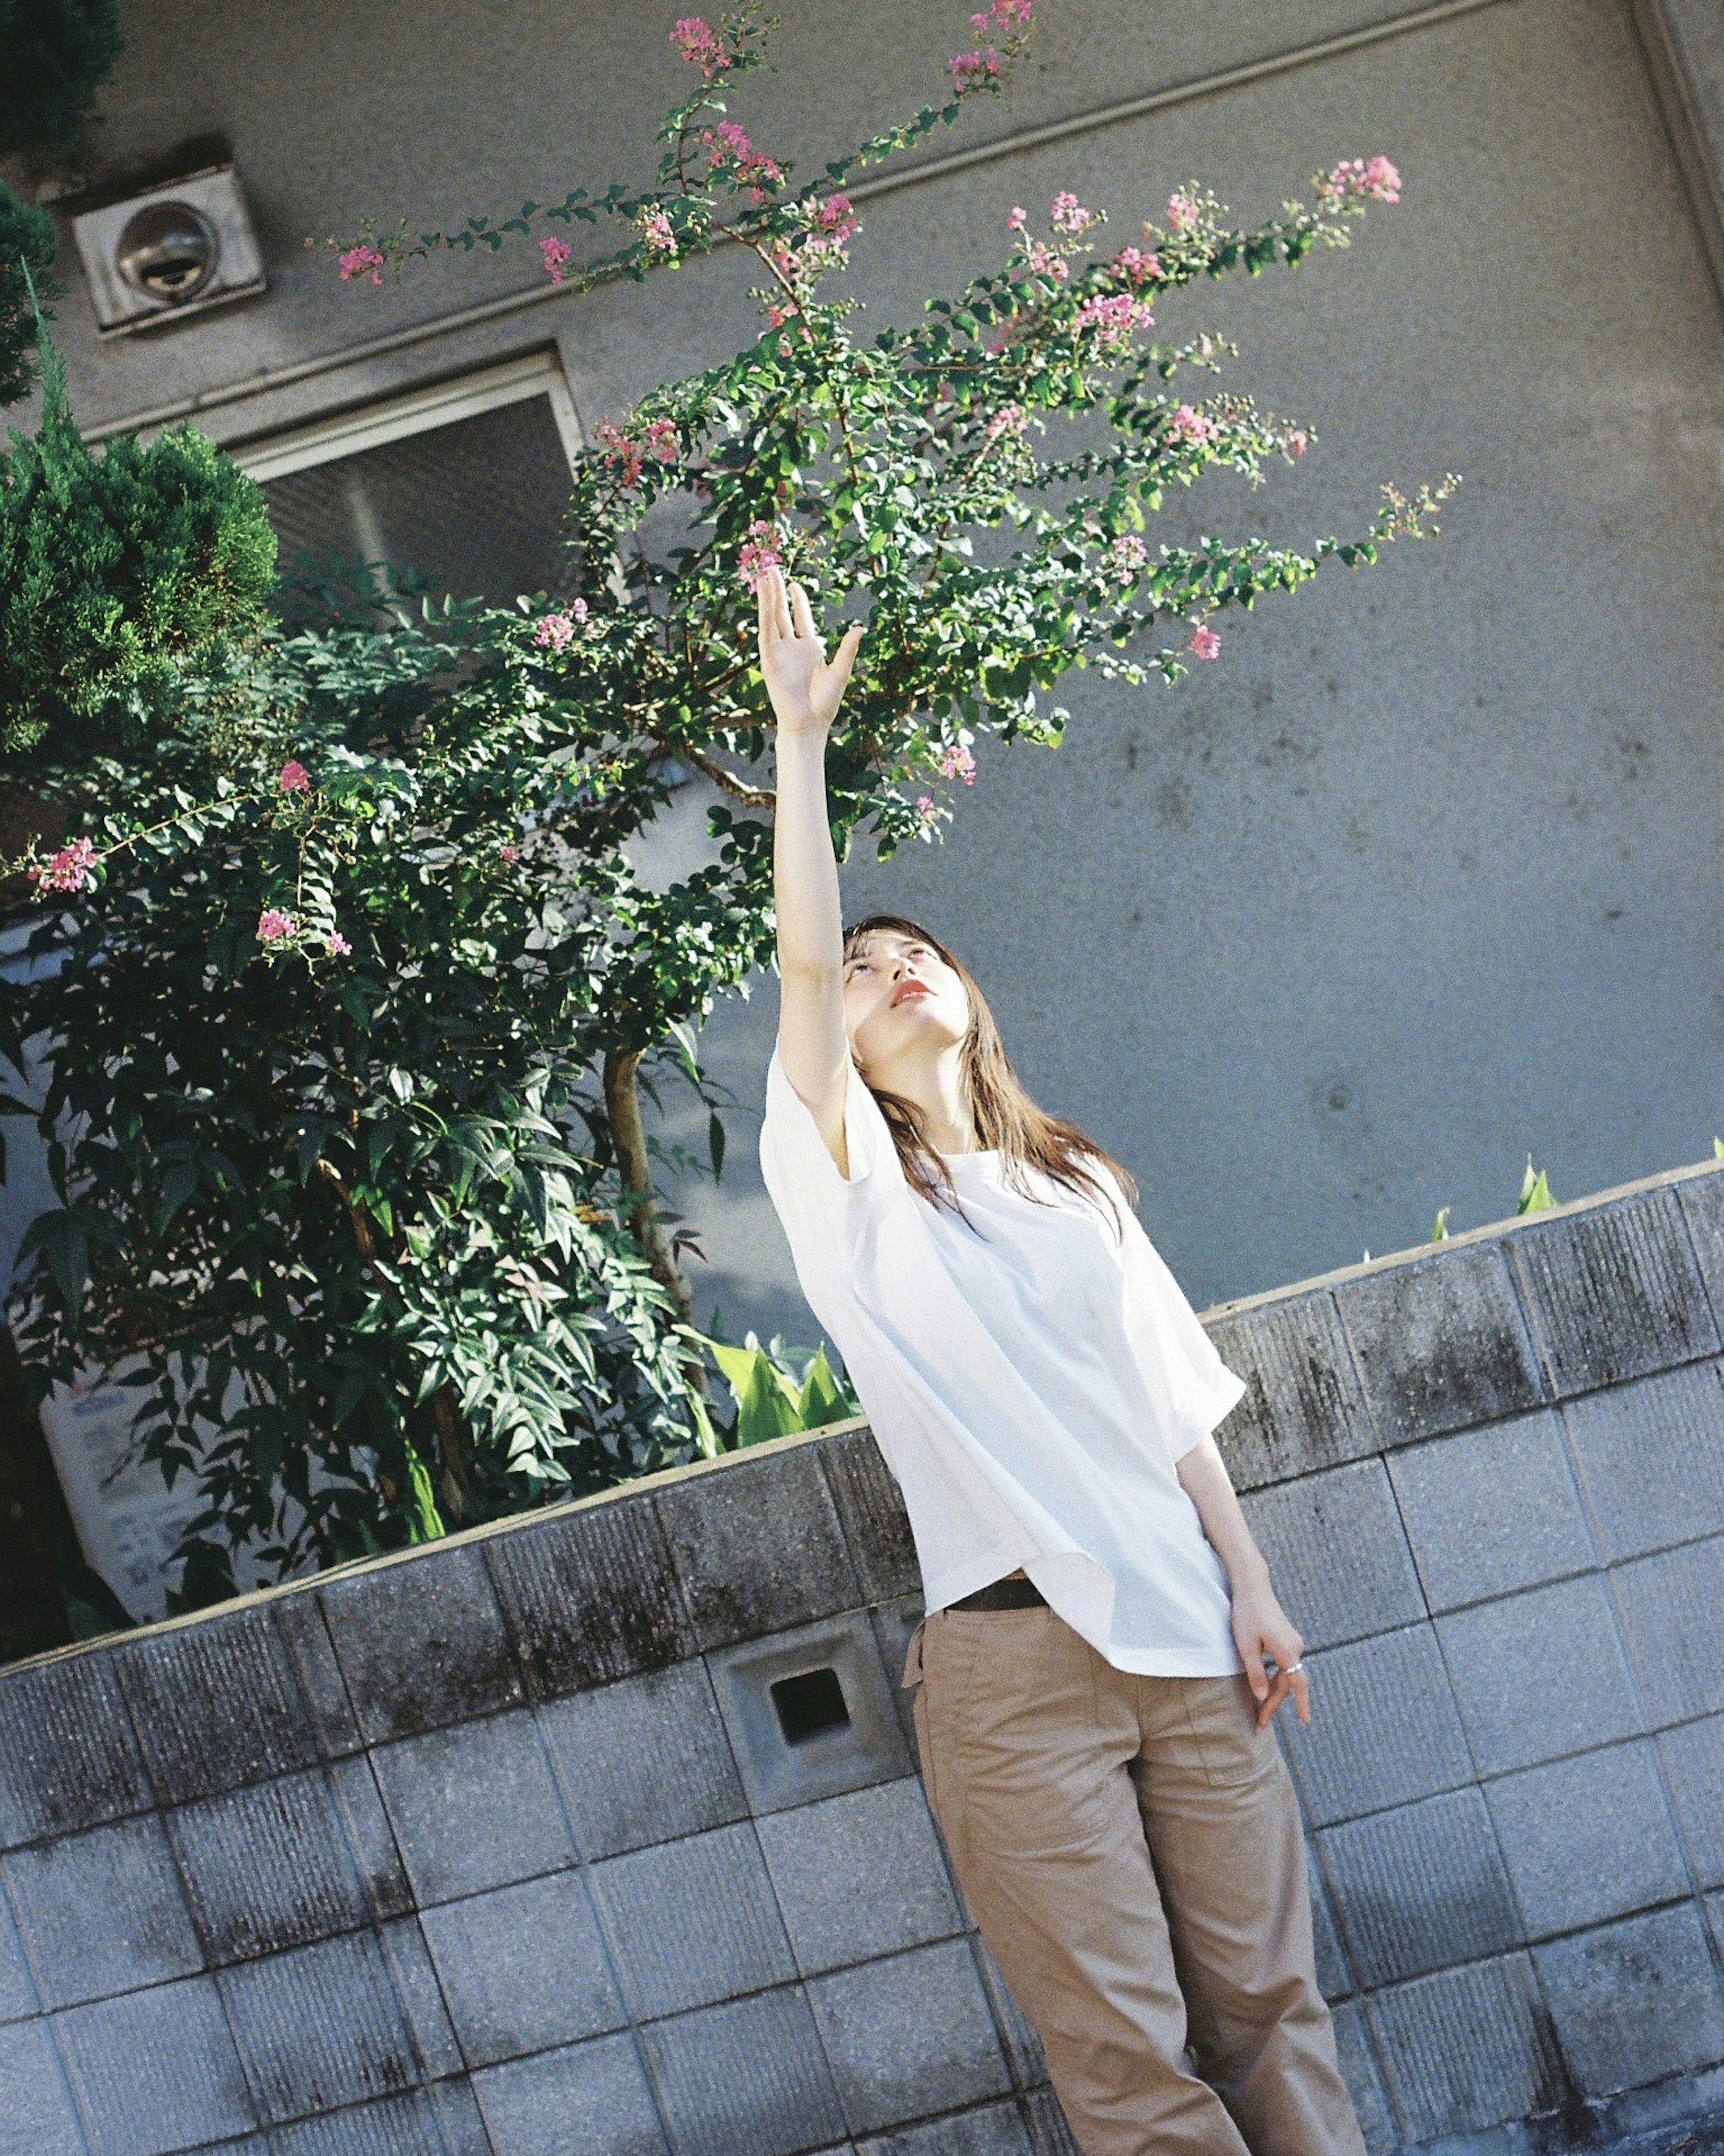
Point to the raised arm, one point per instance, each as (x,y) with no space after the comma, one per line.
(805,691)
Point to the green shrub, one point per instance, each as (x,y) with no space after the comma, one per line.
(54,55)
(27,247)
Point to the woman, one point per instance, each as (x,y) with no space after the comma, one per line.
(1094,1707)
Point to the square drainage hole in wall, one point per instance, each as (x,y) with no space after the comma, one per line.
(809,1705)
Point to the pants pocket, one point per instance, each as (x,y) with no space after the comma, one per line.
(1222,1717)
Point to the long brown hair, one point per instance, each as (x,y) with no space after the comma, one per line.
(1007,1120)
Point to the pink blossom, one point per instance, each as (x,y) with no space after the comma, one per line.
(1181,214)
(1204,643)
(1068,214)
(357,261)
(337,945)
(1113,317)
(1133,266)
(698,45)
(1192,426)
(1017,218)
(621,455)
(660,441)
(728,145)
(970,69)
(553,631)
(957,763)
(761,551)
(1377,178)
(1009,420)
(1043,262)
(1296,441)
(835,217)
(556,253)
(69,870)
(510,853)
(293,778)
(659,233)
(928,809)
(1011,16)
(1129,555)
(274,925)
(781,311)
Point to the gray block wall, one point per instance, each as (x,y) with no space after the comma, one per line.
(499,1848)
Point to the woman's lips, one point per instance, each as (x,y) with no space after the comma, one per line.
(906,989)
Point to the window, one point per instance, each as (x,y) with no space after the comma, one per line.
(463,485)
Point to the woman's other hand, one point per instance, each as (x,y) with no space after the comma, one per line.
(805,687)
(1261,1628)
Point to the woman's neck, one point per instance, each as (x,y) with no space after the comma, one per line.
(935,1087)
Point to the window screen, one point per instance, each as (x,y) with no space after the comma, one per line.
(473,507)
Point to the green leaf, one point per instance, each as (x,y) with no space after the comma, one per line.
(1535,1191)
(715,1146)
(821,1402)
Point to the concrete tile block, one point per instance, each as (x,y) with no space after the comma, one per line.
(1048,2133)
(421,1641)
(590,1594)
(758,1546)
(397,2126)
(1635,2002)
(1336,1546)
(1420,1888)
(420,1995)
(645,1760)
(1540,1674)
(1303,1407)
(67,1756)
(1714,1917)
(19,1999)
(320,2026)
(1681,1671)
(523,1969)
(475,1806)
(1464,2049)
(1386,1731)
(1359,2069)
(102,1912)
(1587,1838)
(1025,2059)
(1614,1292)
(750,2075)
(1441,1342)
(996,2129)
(1693,1759)
(460,2124)
(588,2100)
(894,1622)
(1335,1979)
(156,2070)
(300,1620)
(866,1745)
(1651,1456)
(38,2117)
(1489,1511)
(216,1703)
(909,2035)
(269,1867)
(691,1921)
(860,1875)
(870,1509)
(1702,1200)
(370,1835)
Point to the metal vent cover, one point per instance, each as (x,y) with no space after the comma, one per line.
(169,252)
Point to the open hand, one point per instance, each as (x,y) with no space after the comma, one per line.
(1261,1629)
(804,685)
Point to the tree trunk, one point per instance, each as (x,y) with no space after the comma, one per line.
(622,1104)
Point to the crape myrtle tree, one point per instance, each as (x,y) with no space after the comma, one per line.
(357,989)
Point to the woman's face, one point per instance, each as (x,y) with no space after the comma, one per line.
(900,1000)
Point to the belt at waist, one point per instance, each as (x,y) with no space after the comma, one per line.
(1013,1594)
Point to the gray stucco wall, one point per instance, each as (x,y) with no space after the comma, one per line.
(1424,870)
(496,1849)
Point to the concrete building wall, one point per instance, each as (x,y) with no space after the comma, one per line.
(498,1849)
(1425,870)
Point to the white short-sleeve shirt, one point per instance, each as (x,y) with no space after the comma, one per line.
(1031,1371)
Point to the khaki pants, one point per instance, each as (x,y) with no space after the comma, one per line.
(1130,1849)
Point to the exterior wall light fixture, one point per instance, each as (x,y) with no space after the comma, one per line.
(170,251)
